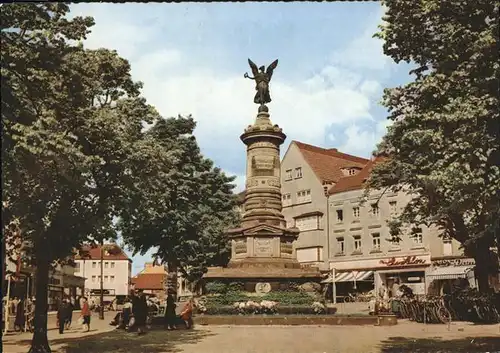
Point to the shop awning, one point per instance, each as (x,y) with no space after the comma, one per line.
(351,276)
(450,272)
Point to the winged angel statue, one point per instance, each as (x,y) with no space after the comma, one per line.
(262,78)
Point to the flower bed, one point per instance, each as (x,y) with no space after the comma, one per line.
(252,309)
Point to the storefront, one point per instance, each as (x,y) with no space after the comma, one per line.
(447,274)
(381,274)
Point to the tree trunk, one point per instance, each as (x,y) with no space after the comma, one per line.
(40,343)
(483,268)
(172,279)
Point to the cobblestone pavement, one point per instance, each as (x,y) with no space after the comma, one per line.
(405,337)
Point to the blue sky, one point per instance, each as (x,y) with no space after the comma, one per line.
(192,57)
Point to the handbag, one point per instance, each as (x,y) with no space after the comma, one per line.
(131,322)
(80,321)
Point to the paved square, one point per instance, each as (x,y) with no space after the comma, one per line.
(406,337)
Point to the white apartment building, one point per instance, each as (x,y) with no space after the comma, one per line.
(116,272)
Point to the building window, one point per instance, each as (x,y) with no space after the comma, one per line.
(288,174)
(376,241)
(112,265)
(340,245)
(393,208)
(106,264)
(287,199)
(417,236)
(395,242)
(374,210)
(77,266)
(298,173)
(94,278)
(94,264)
(307,223)
(99,278)
(447,247)
(106,278)
(340,216)
(352,171)
(357,243)
(111,279)
(355,212)
(304,196)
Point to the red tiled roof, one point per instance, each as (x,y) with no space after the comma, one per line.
(327,164)
(94,253)
(149,281)
(356,181)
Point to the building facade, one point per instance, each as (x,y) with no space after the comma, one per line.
(116,272)
(364,255)
(307,172)
(152,279)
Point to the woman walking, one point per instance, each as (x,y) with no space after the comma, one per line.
(86,314)
(140,310)
(20,316)
(170,316)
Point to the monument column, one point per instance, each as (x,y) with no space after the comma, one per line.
(262,246)
(263,187)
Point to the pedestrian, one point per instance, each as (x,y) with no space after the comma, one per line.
(20,316)
(86,314)
(127,313)
(140,310)
(187,313)
(69,314)
(170,316)
(62,314)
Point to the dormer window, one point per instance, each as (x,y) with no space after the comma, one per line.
(349,171)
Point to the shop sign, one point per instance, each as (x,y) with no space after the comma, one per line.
(454,262)
(405,261)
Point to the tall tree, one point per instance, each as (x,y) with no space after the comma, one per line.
(69,119)
(443,145)
(182,203)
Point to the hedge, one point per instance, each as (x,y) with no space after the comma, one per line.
(281,310)
(283,298)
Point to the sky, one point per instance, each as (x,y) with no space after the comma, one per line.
(191,57)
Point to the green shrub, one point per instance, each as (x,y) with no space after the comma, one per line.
(281,310)
(289,298)
(228,298)
(216,287)
(235,287)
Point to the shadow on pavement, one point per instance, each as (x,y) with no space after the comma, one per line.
(438,345)
(119,341)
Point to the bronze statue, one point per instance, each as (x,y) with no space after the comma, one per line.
(262,79)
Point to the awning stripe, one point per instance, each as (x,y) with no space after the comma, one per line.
(350,276)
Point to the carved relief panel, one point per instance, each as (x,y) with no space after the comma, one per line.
(263,247)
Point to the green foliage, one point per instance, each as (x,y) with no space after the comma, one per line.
(236,286)
(216,287)
(228,298)
(443,144)
(282,297)
(180,204)
(280,310)
(289,298)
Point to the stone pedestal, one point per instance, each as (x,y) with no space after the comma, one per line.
(262,248)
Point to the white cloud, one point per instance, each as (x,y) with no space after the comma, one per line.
(360,141)
(239,182)
(222,103)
